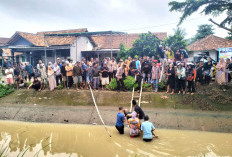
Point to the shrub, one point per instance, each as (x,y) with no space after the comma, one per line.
(162,85)
(113,84)
(5,90)
(61,86)
(146,85)
(129,83)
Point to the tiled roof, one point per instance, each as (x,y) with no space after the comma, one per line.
(33,38)
(64,31)
(104,41)
(38,38)
(210,42)
(3,41)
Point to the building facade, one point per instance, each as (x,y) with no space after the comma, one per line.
(209,45)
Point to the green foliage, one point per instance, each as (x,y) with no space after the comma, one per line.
(61,86)
(229,36)
(203,31)
(5,90)
(113,84)
(123,53)
(28,83)
(162,85)
(215,7)
(146,85)
(129,83)
(146,45)
(176,41)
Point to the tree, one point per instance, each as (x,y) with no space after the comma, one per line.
(214,7)
(146,45)
(177,40)
(202,32)
(123,53)
(229,36)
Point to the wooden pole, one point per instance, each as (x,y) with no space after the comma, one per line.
(141,90)
(132,97)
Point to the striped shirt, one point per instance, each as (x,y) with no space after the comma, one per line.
(155,72)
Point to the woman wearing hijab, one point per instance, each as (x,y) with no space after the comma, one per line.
(181,78)
(221,72)
(51,79)
(134,125)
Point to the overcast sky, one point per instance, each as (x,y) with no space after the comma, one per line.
(132,16)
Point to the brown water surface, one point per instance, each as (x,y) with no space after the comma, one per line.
(59,140)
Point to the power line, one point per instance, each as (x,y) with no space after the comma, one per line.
(158,25)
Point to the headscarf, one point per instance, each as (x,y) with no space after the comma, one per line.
(133,115)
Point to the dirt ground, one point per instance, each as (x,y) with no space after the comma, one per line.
(162,118)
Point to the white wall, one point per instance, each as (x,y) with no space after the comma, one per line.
(212,54)
(81,44)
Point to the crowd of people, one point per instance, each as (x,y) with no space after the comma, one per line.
(172,67)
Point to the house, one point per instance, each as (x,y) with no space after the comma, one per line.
(47,48)
(74,44)
(109,45)
(209,45)
(3,41)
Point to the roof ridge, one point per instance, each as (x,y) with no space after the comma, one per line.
(62,30)
(27,33)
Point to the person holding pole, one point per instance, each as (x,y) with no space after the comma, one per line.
(120,120)
(138,110)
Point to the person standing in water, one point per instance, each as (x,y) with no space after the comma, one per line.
(120,121)
(134,125)
(147,128)
(138,110)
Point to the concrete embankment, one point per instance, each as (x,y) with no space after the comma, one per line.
(69,106)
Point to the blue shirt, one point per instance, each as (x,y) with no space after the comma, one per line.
(84,67)
(120,119)
(29,69)
(147,127)
(137,64)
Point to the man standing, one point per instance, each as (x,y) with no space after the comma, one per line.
(84,68)
(147,128)
(42,71)
(138,110)
(69,73)
(155,76)
(77,75)
(105,75)
(63,74)
(9,76)
(57,74)
(138,80)
(120,120)
(30,71)
(132,67)
(95,73)
(120,78)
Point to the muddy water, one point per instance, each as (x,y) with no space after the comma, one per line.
(61,140)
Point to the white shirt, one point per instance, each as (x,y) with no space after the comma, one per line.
(9,75)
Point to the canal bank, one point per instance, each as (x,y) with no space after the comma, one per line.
(162,117)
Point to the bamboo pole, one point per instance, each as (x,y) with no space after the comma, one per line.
(141,90)
(132,97)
